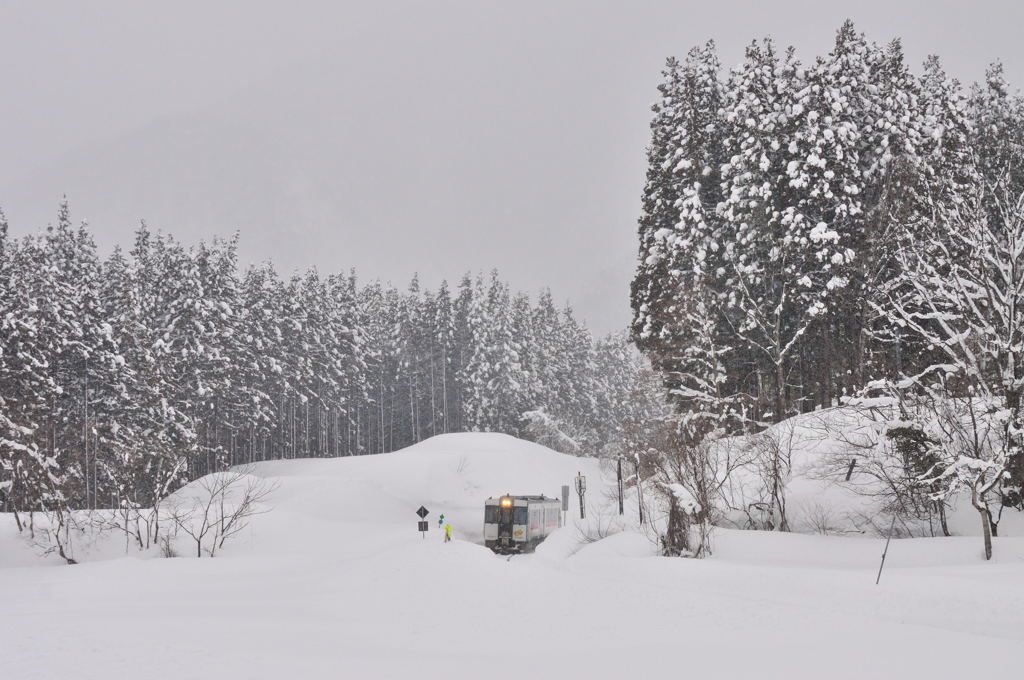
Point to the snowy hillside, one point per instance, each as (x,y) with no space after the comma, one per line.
(335,582)
(332,505)
(823,494)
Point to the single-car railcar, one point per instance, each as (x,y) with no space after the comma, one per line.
(514,524)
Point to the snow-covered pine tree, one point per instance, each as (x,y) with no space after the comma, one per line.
(684,161)
(549,361)
(159,436)
(443,358)
(525,334)
(768,308)
(26,385)
(493,374)
(576,399)
(828,172)
(659,215)
(997,117)
(940,170)
(465,346)
(349,352)
(259,365)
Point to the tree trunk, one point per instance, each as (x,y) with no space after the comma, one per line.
(942,517)
(676,540)
(986,529)
(862,347)
(780,396)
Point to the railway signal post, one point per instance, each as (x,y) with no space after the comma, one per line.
(423,524)
(581,490)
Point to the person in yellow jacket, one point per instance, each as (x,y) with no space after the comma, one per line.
(447,533)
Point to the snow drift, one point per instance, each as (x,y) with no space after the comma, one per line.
(336,582)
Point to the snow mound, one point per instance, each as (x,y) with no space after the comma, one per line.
(333,501)
(623,544)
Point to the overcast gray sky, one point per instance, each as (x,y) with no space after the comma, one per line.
(428,136)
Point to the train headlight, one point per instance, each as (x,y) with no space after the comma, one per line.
(506,502)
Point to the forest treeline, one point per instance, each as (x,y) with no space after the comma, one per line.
(829,232)
(777,200)
(123,378)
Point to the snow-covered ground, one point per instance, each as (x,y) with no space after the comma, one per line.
(335,582)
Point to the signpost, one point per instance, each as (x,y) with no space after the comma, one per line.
(581,490)
(565,501)
(423,525)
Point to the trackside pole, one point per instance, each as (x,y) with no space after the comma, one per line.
(886,551)
(422,526)
(621,510)
(581,491)
(565,502)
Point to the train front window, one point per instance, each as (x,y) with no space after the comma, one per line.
(490,514)
(520,515)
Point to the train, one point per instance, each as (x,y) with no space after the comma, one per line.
(517,524)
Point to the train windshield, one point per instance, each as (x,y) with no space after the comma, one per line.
(520,515)
(490,514)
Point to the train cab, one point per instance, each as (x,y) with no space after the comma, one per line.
(514,524)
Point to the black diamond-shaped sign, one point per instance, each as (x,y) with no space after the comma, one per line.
(422,512)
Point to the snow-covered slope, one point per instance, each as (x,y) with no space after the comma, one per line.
(819,497)
(335,504)
(335,582)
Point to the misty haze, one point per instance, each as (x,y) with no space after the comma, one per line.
(572,339)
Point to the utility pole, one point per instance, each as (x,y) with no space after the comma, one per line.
(581,491)
(620,485)
(639,488)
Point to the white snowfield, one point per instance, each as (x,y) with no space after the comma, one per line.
(335,582)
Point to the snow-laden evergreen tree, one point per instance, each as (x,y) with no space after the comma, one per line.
(350,364)
(27,388)
(523,330)
(443,358)
(89,367)
(548,360)
(495,376)
(660,214)
(576,405)
(465,343)
(944,149)
(160,434)
(770,305)
(997,117)
(259,366)
(677,230)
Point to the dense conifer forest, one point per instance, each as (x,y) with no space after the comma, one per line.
(123,377)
